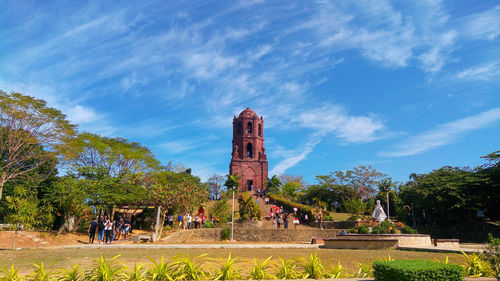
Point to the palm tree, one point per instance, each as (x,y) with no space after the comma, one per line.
(273,185)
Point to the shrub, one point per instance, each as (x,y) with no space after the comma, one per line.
(408,230)
(475,266)
(73,274)
(411,270)
(378,230)
(228,270)
(492,255)
(189,268)
(363,229)
(287,270)
(312,266)
(225,233)
(353,230)
(208,224)
(221,210)
(249,210)
(326,218)
(386,224)
(260,270)
(105,270)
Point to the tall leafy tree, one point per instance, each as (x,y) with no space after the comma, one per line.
(27,125)
(116,156)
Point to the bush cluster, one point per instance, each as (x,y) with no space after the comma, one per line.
(248,210)
(411,270)
(225,233)
(289,205)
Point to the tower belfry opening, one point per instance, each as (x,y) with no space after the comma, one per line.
(249,158)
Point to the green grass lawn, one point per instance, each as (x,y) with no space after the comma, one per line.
(60,258)
(339,216)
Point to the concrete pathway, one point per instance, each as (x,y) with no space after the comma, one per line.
(192,246)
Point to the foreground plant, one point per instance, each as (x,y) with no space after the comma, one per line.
(105,269)
(475,266)
(10,274)
(260,270)
(41,273)
(337,271)
(365,270)
(73,274)
(312,266)
(228,270)
(188,268)
(287,269)
(161,271)
(137,273)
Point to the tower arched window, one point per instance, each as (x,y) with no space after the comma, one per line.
(260,130)
(239,128)
(249,127)
(249,150)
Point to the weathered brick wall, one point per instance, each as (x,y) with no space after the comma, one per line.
(250,235)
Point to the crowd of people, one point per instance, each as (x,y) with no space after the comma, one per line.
(109,230)
(187,221)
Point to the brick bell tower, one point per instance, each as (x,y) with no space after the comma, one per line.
(249,155)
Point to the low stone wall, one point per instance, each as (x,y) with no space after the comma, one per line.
(365,244)
(334,224)
(250,235)
(403,239)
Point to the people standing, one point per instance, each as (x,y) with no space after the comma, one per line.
(170,220)
(188,220)
(295,221)
(108,229)
(278,220)
(126,228)
(285,220)
(92,230)
(320,220)
(180,221)
(100,230)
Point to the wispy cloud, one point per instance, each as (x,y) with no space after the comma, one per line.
(483,25)
(443,134)
(297,155)
(484,72)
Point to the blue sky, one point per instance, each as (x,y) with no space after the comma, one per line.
(403,86)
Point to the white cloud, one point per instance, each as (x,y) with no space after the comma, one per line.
(484,72)
(443,134)
(178,146)
(79,114)
(295,156)
(483,25)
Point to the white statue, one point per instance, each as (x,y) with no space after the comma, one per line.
(378,213)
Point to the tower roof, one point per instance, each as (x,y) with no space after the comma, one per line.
(248,113)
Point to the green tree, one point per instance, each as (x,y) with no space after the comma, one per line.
(114,156)
(26,124)
(25,211)
(175,192)
(70,197)
(221,211)
(232,182)
(215,183)
(273,185)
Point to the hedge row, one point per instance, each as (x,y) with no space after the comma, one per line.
(289,205)
(413,270)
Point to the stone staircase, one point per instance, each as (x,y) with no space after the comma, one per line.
(265,214)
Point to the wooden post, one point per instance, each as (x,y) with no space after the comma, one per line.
(155,238)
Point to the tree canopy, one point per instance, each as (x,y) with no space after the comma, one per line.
(31,133)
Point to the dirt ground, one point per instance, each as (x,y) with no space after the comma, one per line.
(27,239)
